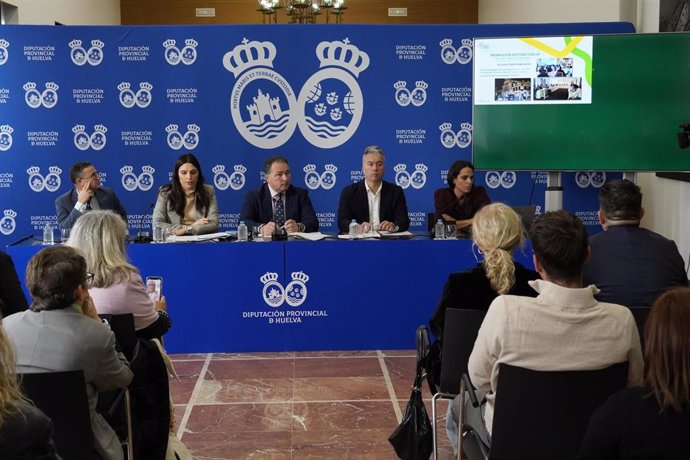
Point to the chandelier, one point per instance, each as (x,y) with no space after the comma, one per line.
(302,11)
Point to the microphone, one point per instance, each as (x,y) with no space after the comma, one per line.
(142,235)
(456,201)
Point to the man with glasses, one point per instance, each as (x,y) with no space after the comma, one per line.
(86,195)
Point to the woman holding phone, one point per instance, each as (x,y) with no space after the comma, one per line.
(117,286)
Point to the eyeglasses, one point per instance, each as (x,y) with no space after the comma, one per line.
(89,278)
(93,175)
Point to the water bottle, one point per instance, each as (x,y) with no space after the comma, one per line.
(353,230)
(242,232)
(48,237)
(439,230)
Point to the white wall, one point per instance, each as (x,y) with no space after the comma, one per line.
(68,12)
(666,202)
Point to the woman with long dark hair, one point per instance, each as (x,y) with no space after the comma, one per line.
(651,421)
(459,202)
(187,206)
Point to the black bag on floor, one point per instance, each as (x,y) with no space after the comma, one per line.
(412,439)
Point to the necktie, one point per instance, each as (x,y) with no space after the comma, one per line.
(88,205)
(279,210)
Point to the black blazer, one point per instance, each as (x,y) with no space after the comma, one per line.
(257,208)
(354,204)
(67,215)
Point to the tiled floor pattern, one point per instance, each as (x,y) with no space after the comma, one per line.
(306,405)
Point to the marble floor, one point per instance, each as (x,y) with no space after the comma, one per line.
(304,405)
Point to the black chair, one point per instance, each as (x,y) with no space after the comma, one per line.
(544,415)
(123,327)
(640,314)
(62,397)
(459,333)
(527,215)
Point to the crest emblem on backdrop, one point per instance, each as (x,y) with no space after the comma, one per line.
(131,182)
(505,179)
(7,223)
(326,180)
(416,97)
(4,52)
(6,137)
(235,181)
(51,182)
(415,180)
(187,55)
(294,294)
(80,56)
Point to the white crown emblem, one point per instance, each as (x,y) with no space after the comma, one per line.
(33,170)
(194,128)
(331,168)
(52,85)
(268,277)
(467,41)
(74,43)
(342,54)
(400,84)
(10,213)
(123,86)
(126,169)
(171,128)
(101,128)
(300,276)
(240,169)
(446,42)
(309,168)
(169,43)
(421,167)
(146,85)
(6,129)
(466,126)
(4,43)
(191,42)
(249,54)
(148,169)
(29,86)
(55,170)
(400,167)
(218,169)
(97,43)
(445,126)
(78,129)
(421,84)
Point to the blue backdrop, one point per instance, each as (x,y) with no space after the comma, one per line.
(132,99)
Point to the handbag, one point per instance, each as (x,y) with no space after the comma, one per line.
(413,438)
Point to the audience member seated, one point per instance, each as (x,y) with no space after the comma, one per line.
(563,329)
(25,431)
(12,297)
(62,331)
(117,286)
(461,200)
(631,265)
(277,204)
(651,421)
(187,206)
(373,202)
(496,231)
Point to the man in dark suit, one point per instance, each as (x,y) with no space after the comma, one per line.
(373,201)
(631,266)
(278,204)
(87,194)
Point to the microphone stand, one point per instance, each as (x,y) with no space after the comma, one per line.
(142,235)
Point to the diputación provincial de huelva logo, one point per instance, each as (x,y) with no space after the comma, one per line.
(450,139)
(79,56)
(176,140)
(4,52)
(416,97)
(7,223)
(330,104)
(6,137)
(131,182)
(84,141)
(128,98)
(173,55)
(235,181)
(262,102)
(51,182)
(463,54)
(584,179)
(416,180)
(505,179)
(325,180)
(34,98)
(294,294)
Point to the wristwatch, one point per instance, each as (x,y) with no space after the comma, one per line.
(188,229)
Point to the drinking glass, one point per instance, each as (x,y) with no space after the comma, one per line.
(158,235)
(451,231)
(256,234)
(64,235)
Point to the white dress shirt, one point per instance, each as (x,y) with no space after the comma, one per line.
(374,204)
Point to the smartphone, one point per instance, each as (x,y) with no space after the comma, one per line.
(154,287)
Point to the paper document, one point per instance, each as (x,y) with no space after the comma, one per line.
(312,236)
(193,238)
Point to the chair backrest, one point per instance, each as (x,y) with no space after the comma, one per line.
(640,314)
(527,214)
(543,415)
(459,334)
(62,397)
(123,327)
